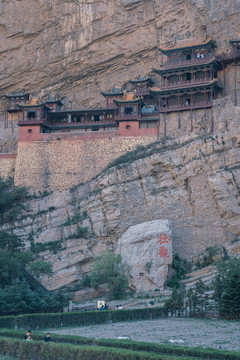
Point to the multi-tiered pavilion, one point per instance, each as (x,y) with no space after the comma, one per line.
(188,83)
(188,77)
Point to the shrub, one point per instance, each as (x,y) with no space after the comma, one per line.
(48,320)
(108,269)
(113,347)
(80,232)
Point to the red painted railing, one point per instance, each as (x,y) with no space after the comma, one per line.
(127,116)
(32,122)
(192,61)
(12,107)
(82,122)
(185,82)
(178,107)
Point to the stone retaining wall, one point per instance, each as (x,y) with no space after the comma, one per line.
(59,164)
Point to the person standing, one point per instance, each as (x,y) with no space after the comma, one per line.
(47,338)
(27,336)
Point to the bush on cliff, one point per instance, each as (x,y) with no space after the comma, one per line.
(11,199)
(108,269)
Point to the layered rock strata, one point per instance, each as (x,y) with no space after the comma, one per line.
(193,182)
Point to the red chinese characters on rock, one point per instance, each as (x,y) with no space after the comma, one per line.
(163,252)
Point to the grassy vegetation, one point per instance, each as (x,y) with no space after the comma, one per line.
(160,146)
(6,357)
(109,349)
(76,219)
(52,246)
(81,232)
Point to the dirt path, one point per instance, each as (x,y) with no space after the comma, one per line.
(191,332)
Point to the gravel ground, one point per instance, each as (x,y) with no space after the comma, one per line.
(191,332)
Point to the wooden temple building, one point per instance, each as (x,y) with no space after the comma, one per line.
(188,81)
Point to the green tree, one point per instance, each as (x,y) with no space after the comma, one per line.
(108,269)
(11,199)
(40,267)
(226,288)
(19,291)
(200,298)
(176,303)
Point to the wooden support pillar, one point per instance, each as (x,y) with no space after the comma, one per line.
(179,120)
(6,119)
(235,82)
(224,80)
(158,127)
(191,120)
(165,125)
(212,125)
(86,117)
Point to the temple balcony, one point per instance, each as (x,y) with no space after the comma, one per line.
(142,92)
(32,122)
(184,83)
(66,122)
(12,106)
(186,62)
(182,107)
(132,116)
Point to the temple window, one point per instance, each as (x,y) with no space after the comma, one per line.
(199,98)
(31,115)
(173,79)
(152,124)
(143,125)
(128,110)
(101,117)
(173,100)
(96,117)
(199,75)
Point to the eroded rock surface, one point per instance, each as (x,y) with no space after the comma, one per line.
(80,48)
(194,182)
(147,248)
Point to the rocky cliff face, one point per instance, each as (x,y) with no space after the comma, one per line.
(192,181)
(80,48)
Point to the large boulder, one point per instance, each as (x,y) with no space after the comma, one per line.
(147,248)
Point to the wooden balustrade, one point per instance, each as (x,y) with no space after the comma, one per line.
(192,61)
(179,107)
(182,83)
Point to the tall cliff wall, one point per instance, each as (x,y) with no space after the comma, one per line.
(192,181)
(80,48)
